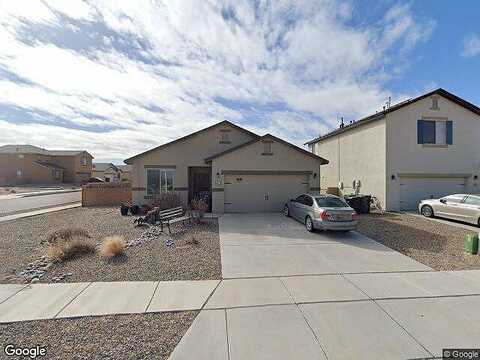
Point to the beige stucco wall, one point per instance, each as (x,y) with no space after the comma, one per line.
(358,154)
(31,173)
(75,172)
(250,158)
(181,155)
(405,156)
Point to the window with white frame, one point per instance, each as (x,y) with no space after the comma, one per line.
(19,173)
(160,180)
(83,160)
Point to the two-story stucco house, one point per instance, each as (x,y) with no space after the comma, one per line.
(232,168)
(28,164)
(425,147)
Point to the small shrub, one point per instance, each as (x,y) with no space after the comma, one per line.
(55,253)
(193,241)
(112,246)
(66,235)
(13,191)
(66,250)
(167,200)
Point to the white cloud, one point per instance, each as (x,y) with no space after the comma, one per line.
(124,76)
(471,45)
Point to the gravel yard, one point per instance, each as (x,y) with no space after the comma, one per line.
(143,336)
(21,244)
(438,245)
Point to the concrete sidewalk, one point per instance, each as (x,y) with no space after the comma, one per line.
(337,317)
(67,300)
(402,315)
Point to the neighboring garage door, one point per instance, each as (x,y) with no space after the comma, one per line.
(413,190)
(262,193)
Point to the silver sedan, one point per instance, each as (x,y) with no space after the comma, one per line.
(461,207)
(326,212)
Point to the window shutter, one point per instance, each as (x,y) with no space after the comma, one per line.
(449,132)
(419,131)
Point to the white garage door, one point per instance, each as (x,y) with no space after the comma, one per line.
(412,190)
(262,193)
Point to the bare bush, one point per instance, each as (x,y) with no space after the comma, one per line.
(192,241)
(201,206)
(167,200)
(75,247)
(66,235)
(112,246)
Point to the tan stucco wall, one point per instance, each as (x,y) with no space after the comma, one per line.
(31,173)
(75,172)
(405,156)
(358,154)
(189,152)
(34,174)
(250,158)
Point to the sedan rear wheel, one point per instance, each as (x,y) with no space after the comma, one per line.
(309,224)
(427,211)
(286,211)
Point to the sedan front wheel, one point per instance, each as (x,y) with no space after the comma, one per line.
(427,211)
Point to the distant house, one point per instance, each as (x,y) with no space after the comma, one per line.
(28,164)
(106,171)
(126,172)
(110,172)
(422,148)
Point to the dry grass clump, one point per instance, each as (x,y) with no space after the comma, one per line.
(67,235)
(112,246)
(66,250)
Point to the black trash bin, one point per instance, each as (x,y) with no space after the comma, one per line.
(355,202)
(359,203)
(366,204)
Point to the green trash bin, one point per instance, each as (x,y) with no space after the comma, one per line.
(471,244)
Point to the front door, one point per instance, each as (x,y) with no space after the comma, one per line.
(200,184)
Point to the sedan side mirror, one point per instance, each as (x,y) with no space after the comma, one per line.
(443,201)
(292,200)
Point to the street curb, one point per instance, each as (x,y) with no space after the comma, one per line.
(48,193)
(39,212)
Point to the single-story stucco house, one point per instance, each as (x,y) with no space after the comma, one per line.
(235,169)
(422,148)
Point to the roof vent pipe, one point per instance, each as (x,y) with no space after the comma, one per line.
(342,125)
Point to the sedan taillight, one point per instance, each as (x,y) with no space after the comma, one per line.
(326,216)
(355,216)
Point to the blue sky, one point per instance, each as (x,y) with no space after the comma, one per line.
(119,78)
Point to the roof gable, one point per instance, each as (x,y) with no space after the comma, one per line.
(201,131)
(380,115)
(265,137)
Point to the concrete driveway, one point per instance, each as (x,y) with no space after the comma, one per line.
(259,245)
(289,294)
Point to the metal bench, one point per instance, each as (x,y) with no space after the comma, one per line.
(172,216)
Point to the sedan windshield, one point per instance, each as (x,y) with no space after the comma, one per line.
(330,202)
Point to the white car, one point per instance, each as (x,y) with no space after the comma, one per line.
(462,207)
